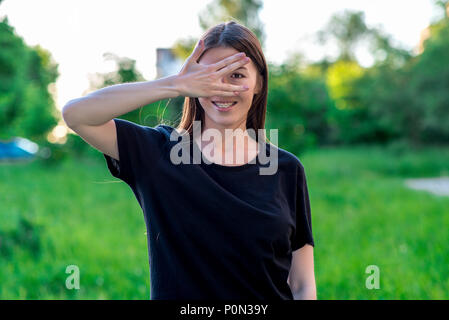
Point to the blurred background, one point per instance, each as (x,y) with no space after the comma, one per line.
(359,91)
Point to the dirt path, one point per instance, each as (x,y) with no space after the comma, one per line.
(438,186)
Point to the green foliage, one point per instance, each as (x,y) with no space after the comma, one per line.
(363,214)
(26,236)
(183,48)
(77,148)
(428,86)
(347,29)
(400,98)
(297,105)
(26,106)
(410,102)
(89,220)
(340,78)
(245,12)
(347,117)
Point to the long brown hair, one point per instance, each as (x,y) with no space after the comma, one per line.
(232,34)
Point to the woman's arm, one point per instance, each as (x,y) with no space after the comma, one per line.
(301,278)
(107,103)
(91,116)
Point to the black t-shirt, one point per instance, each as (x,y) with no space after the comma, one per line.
(214,231)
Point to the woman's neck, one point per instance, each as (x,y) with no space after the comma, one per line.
(230,145)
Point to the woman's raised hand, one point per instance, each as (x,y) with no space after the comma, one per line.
(197,80)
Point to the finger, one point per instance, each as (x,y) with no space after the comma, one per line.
(224,93)
(231,88)
(232,67)
(198,50)
(223,63)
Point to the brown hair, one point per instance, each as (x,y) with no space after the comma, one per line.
(232,34)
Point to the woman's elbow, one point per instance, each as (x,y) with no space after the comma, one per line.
(305,293)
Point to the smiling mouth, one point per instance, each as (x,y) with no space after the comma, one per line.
(224,105)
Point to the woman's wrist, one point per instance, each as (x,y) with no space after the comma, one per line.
(176,84)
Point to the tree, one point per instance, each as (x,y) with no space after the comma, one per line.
(444,6)
(297,105)
(428,85)
(347,29)
(26,73)
(245,12)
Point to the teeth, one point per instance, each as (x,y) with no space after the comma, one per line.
(224,105)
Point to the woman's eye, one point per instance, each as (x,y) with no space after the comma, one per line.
(242,76)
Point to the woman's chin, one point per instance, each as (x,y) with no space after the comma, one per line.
(223,120)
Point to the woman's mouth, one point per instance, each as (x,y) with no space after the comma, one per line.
(221,106)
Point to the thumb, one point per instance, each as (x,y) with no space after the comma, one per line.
(198,50)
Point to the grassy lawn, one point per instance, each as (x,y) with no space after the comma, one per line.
(75,213)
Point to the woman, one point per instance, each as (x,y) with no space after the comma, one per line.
(216,229)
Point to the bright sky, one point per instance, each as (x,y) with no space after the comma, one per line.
(77,33)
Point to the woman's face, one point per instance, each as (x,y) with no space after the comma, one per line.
(245,75)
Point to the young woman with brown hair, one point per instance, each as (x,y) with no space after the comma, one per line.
(215,231)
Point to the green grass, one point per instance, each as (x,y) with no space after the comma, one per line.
(362,215)
(95,225)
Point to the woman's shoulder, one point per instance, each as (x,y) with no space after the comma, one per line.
(286,158)
(142,128)
(169,132)
(143,135)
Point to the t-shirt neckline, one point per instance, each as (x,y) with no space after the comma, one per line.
(214,165)
(254,162)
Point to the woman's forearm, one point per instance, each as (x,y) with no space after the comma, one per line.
(100,106)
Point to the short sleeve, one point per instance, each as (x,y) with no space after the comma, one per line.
(137,145)
(303,232)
